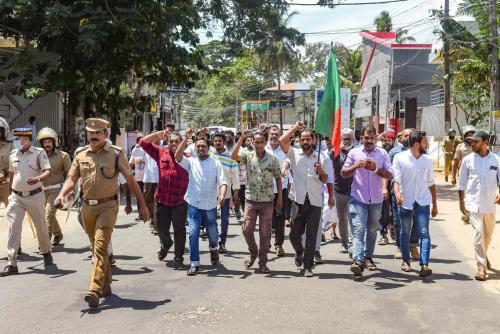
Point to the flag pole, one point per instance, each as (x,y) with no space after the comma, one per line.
(319,147)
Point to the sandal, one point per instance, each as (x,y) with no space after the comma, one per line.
(405,267)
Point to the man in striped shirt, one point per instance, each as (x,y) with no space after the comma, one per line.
(232,173)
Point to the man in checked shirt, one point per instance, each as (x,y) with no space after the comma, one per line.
(172,185)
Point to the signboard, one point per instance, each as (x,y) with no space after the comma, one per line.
(154,106)
(254,105)
(345,105)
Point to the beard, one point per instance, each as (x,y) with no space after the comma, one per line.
(230,142)
(305,147)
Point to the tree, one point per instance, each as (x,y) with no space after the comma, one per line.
(277,49)
(383,22)
(403,37)
(97,45)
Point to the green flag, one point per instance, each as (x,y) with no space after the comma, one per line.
(328,117)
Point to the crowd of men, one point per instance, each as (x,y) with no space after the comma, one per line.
(374,183)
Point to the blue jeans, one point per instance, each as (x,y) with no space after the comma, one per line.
(397,226)
(195,216)
(419,216)
(365,218)
(224,221)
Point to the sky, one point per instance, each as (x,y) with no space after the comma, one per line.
(343,23)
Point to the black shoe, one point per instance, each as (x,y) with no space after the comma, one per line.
(214,257)
(19,251)
(112,260)
(9,270)
(488,264)
(92,299)
(162,253)
(57,240)
(446,179)
(299,260)
(222,249)
(357,268)
(308,272)
(47,259)
(179,264)
(237,214)
(317,258)
(193,270)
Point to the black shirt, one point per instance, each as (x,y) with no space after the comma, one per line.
(341,185)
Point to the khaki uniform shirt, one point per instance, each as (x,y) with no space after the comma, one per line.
(260,175)
(60,164)
(98,170)
(25,165)
(5,149)
(450,145)
(462,151)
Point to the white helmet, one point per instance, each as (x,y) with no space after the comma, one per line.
(468,128)
(48,133)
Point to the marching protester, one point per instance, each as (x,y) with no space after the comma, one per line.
(150,180)
(206,180)
(171,206)
(405,145)
(60,163)
(28,167)
(137,163)
(307,193)
(342,191)
(247,145)
(478,193)
(98,165)
(278,214)
(263,173)
(386,219)
(368,165)
(415,190)
(450,144)
(233,184)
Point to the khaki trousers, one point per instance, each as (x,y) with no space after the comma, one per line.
(263,210)
(16,210)
(484,225)
(50,212)
(98,222)
(149,198)
(4,194)
(448,160)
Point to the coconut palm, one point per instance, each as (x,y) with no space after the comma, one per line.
(403,37)
(383,22)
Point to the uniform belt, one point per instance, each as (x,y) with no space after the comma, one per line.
(93,202)
(27,193)
(54,186)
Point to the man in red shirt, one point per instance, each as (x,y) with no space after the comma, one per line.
(172,185)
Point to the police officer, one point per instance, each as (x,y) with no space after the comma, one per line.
(98,166)
(450,144)
(6,147)
(60,163)
(463,149)
(28,167)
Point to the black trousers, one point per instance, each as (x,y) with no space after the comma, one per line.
(305,217)
(241,197)
(279,220)
(176,216)
(386,216)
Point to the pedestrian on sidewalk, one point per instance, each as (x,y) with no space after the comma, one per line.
(415,190)
(450,144)
(478,193)
(60,164)
(28,167)
(278,215)
(342,192)
(206,180)
(309,177)
(231,170)
(368,165)
(171,206)
(262,168)
(98,165)
(405,145)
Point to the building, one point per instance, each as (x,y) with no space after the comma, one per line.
(397,80)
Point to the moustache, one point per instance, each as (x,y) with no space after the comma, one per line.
(94,140)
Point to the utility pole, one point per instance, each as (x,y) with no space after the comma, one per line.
(446,58)
(495,66)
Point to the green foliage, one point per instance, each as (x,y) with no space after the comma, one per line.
(383,22)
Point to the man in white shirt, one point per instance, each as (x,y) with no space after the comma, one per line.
(137,162)
(150,180)
(415,190)
(478,193)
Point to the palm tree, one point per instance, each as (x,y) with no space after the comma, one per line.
(383,22)
(277,49)
(403,37)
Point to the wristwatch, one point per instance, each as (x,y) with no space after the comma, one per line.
(376,170)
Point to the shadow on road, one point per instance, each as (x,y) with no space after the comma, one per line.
(120,271)
(432,260)
(123,226)
(223,272)
(116,302)
(127,257)
(49,270)
(70,250)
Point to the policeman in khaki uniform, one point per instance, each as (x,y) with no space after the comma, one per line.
(450,144)
(5,148)
(463,149)
(98,166)
(28,168)
(60,163)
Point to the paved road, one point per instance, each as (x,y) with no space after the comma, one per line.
(152,298)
